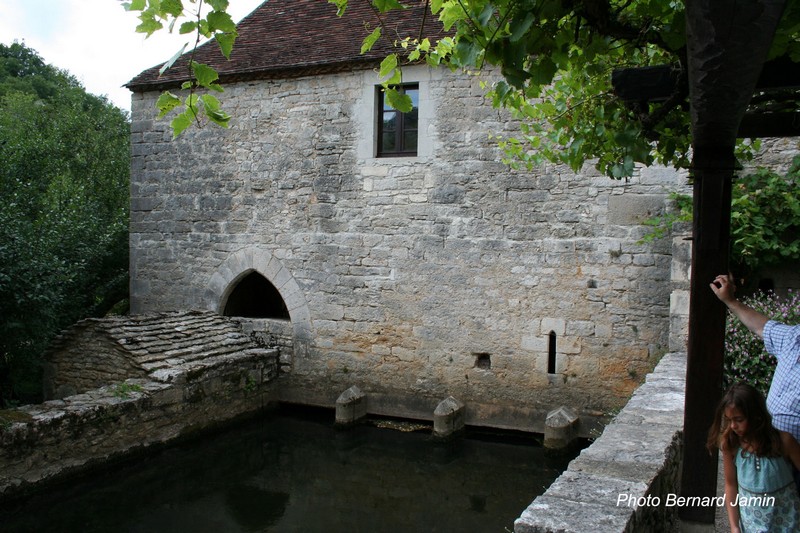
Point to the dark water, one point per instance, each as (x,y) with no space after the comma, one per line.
(288,472)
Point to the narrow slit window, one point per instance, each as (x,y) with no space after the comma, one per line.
(551,353)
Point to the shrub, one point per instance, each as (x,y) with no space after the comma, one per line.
(745,356)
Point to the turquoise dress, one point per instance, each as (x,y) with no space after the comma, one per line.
(768,500)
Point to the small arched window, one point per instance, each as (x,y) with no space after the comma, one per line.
(255,297)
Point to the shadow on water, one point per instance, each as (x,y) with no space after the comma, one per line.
(292,471)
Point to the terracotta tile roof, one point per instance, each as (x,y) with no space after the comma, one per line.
(283,38)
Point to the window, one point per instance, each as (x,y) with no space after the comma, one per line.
(551,353)
(398,132)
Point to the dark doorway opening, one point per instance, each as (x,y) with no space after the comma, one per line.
(255,297)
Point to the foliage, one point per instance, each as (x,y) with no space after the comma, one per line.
(680,210)
(556,58)
(216,24)
(765,219)
(63,211)
(745,356)
(124,390)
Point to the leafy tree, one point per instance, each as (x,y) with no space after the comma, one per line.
(63,211)
(557,59)
(765,219)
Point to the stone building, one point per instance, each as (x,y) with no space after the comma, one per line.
(395,253)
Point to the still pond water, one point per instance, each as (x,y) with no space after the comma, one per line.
(293,472)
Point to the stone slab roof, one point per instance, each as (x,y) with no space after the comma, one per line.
(166,340)
(285,38)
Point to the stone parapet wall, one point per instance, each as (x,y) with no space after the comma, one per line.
(46,442)
(626,480)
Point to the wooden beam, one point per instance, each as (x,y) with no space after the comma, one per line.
(712,169)
(657,83)
(759,125)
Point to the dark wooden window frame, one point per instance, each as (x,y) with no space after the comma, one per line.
(401,129)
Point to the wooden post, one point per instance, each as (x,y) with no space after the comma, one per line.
(713,170)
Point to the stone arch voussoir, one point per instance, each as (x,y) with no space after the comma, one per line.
(253,259)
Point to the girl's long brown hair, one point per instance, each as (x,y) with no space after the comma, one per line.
(765,439)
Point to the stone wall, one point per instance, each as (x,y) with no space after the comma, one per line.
(416,279)
(627,481)
(49,441)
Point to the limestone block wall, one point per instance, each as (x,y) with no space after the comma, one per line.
(75,367)
(45,442)
(628,479)
(445,274)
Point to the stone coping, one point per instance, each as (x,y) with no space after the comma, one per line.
(638,455)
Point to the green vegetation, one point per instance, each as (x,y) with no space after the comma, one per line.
(765,219)
(746,359)
(124,390)
(64,174)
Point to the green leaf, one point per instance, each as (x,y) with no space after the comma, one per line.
(172,7)
(519,27)
(370,40)
(149,24)
(181,122)
(211,103)
(221,21)
(486,14)
(218,5)
(135,5)
(400,101)
(205,75)
(389,71)
(213,111)
(219,117)
(451,14)
(341,6)
(187,27)
(166,103)
(385,5)
(171,60)
(225,42)
(467,53)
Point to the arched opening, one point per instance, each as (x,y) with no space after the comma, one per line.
(551,353)
(255,297)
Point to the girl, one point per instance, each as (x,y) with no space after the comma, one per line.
(760,494)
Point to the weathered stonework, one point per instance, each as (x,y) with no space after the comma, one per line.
(401,274)
(183,393)
(97,352)
(628,479)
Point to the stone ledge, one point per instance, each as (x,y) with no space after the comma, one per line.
(637,456)
(59,438)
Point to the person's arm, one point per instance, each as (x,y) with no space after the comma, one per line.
(724,287)
(731,488)
(791,448)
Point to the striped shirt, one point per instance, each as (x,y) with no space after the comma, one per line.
(783,400)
